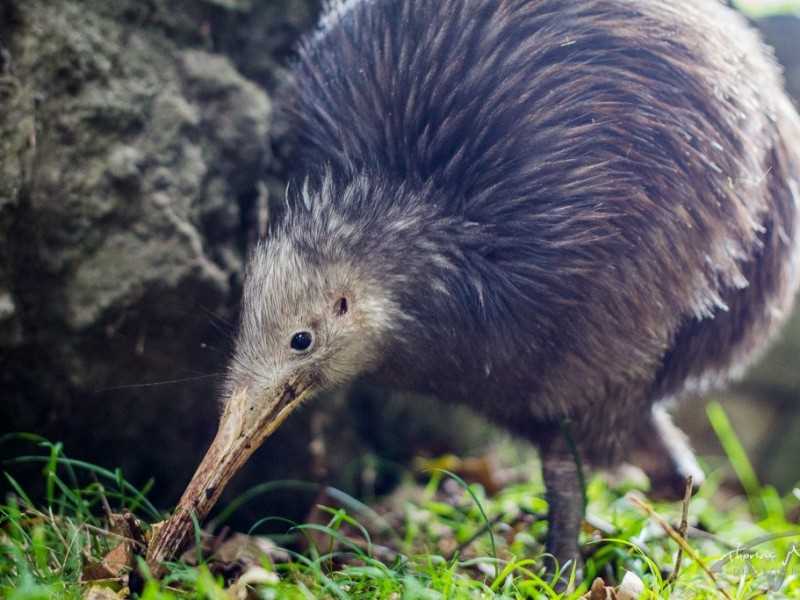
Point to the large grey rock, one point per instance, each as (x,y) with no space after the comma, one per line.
(128,161)
(136,139)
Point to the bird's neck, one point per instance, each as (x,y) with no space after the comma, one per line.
(418,259)
(425,264)
(420,254)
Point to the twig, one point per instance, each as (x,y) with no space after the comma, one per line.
(683,529)
(676,537)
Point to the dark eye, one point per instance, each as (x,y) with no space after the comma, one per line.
(341,307)
(302,341)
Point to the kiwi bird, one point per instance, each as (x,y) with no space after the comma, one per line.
(564,213)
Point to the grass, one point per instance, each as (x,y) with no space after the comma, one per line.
(435,539)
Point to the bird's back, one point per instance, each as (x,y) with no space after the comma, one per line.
(534,100)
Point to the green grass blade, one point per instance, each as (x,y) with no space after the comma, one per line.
(737,456)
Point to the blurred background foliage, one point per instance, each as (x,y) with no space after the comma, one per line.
(760,8)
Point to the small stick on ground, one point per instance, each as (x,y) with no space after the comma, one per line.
(676,537)
(683,529)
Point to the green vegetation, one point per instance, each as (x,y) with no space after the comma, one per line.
(436,537)
(763,8)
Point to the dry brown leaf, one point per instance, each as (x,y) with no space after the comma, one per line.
(117,562)
(599,591)
(231,555)
(113,566)
(94,571)
(97,592)
(119,559)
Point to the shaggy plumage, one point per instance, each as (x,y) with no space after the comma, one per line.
(557,211)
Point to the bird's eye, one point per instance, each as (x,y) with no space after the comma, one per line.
(302,341)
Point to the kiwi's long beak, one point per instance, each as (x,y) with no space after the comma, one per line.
(246,422)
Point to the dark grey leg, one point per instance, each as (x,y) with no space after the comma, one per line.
(564,499)
(662,451)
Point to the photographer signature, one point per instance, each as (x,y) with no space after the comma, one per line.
(747,553)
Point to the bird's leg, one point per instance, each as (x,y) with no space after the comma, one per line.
(662,451)
(564,493)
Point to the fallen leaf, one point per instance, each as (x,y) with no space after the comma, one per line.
(95,571)
(118,560)
(97,592)
(599,591)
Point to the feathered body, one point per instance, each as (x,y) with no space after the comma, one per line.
(557,211)
(577,207)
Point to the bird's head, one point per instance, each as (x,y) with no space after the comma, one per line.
(312,319)
(317,312)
